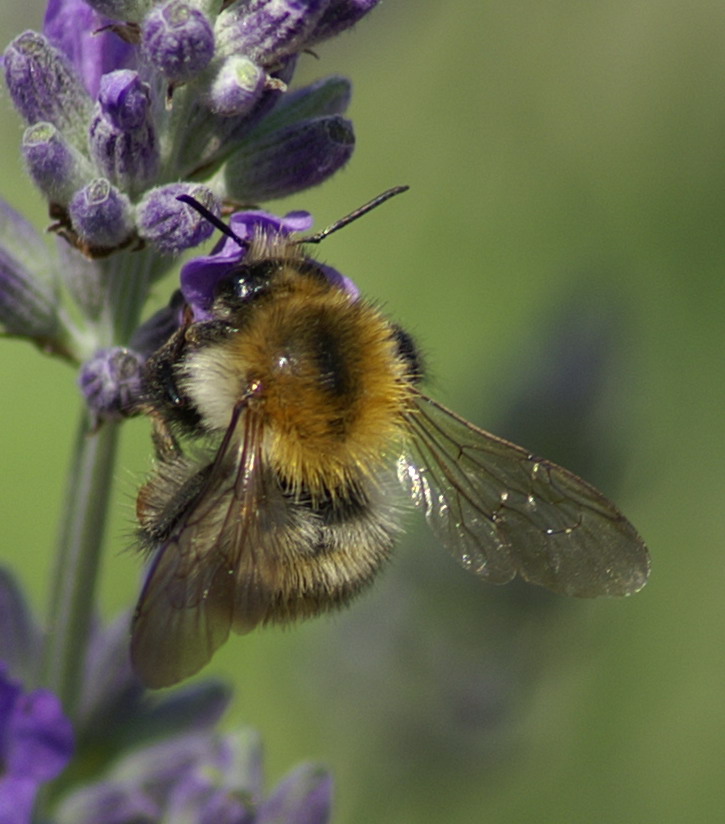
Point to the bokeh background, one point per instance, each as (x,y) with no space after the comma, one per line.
(561,258)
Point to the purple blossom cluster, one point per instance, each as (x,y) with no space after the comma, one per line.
(130,103)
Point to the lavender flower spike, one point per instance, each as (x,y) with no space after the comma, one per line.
(101,107)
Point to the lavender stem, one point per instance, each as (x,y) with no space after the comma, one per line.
(78,560)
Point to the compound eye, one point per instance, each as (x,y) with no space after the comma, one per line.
(247,283)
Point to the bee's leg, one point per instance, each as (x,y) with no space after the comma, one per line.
(166,446)
(164,441)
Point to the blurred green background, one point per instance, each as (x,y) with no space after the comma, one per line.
(560,257)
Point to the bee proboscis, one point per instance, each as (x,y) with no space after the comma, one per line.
(306,404)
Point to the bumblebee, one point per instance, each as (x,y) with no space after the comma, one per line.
(304,406)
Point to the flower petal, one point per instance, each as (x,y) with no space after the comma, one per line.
(200,276)
(39,737)
(73,27)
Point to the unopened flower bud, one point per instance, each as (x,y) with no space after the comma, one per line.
(122,136)
(57,168)
(111,383)
(178,40)
(124,99)
(329,95)
(295,158)
(101,214)
(170,225)
(340,15)
(237,87)
(28,283)
(265,30)
(43,86)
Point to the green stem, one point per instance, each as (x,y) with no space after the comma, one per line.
(78,561)
(83,521)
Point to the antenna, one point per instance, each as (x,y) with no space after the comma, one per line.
(359,212)
(316,238)
(211,217)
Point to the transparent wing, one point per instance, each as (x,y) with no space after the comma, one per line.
(502,512)
(187,605)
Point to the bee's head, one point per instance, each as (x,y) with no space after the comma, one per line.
(261,255)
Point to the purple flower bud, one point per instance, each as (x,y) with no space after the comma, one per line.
(303,797)
(57,168)
(44,86)
(122,137)
(172,226)
(265,30)
(237,87)
(73,27)
(28,301)
(178,40)
(295,158)
(330,95)
(101,215)
(111,383)
(27,308)
(125,100)
(130,11)
(340,15)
